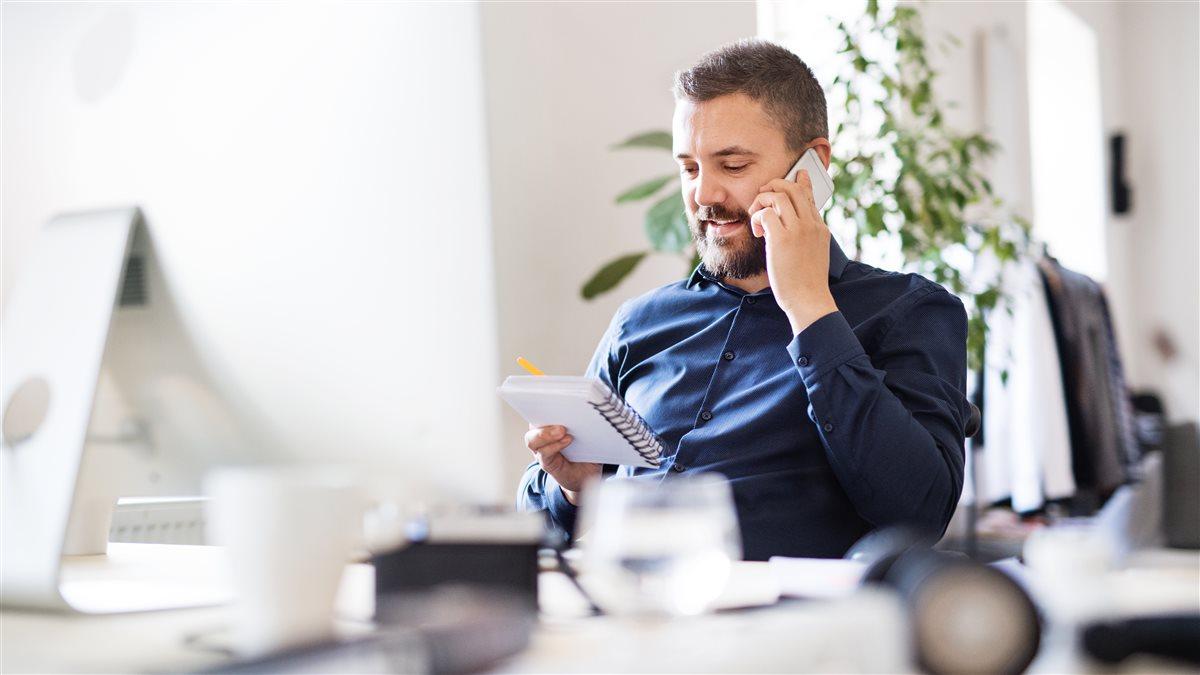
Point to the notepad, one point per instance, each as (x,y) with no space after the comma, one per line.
(605,430)
(817,577)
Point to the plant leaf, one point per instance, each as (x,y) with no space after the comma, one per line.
(666,224)
(647,139)
(643,190)
(875,218)
(611,274)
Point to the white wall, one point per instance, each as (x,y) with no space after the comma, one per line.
(564,82)
(1160,73)
(315,178)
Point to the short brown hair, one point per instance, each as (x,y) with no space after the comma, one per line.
(771,75)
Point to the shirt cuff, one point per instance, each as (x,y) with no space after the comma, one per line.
(826,344)
(562,511)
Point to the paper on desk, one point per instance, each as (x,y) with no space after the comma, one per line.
(751,584)
(817,577)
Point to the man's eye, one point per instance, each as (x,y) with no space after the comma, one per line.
(689,170)
(736,169)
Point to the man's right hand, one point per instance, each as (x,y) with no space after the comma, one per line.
(547,444)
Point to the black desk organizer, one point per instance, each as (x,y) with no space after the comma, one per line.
(506,568)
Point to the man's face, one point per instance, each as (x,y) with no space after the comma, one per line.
(727,148)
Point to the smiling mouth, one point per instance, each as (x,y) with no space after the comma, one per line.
(724,228)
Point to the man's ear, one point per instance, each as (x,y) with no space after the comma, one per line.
(824,150)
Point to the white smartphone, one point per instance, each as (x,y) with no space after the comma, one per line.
(822,184)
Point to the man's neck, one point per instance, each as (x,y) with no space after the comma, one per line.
(752,284)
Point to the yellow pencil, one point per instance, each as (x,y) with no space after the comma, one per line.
(533,370)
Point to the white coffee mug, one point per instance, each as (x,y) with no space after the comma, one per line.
(288,531)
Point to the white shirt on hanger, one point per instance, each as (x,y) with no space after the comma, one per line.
(1027,443)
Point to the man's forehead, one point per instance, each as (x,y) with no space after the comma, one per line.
(727,151)
(725,126)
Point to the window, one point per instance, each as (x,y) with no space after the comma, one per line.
(1065,138)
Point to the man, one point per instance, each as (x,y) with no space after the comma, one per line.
(830,393)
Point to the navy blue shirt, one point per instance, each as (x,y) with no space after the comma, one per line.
(856,423)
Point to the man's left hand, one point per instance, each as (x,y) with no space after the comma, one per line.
(797,249)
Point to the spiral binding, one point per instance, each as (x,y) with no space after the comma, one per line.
(632,427)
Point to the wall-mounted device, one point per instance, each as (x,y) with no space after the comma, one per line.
(1122,194)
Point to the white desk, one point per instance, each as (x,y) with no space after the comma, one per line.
(172,640)
(817,636)
(861,633)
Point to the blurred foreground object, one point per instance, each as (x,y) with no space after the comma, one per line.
(1181,488)
(1176,637)
(288,534)
(964,617)
(659,548)
(491,551)
(103,397)
(444,630)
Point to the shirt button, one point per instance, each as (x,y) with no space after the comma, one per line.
(728,356)
(678,468)
(706,416)
(828,427)
(802,361)
(751,301)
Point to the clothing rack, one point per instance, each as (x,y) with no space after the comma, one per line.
(1096,443)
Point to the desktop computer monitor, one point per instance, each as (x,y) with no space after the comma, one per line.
(314,191)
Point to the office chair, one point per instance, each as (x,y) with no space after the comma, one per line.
(974,421)
(971,429)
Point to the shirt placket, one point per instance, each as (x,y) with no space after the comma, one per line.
(725,360)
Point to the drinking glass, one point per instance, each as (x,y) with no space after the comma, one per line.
(661,548)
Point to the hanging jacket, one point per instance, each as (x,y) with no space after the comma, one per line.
(1098,407)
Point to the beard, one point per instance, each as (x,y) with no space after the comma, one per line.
(737,256)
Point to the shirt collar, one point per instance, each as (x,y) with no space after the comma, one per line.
(837,265)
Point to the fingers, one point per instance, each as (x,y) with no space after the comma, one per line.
(766,223)
(803,183)
(800,192)
(539,437)
(779,202)
(550,455)
(546,443)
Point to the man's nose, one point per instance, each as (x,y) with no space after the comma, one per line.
(709,190)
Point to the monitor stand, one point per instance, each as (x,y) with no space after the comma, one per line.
(57,490)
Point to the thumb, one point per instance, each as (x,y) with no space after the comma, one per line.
(756,226)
